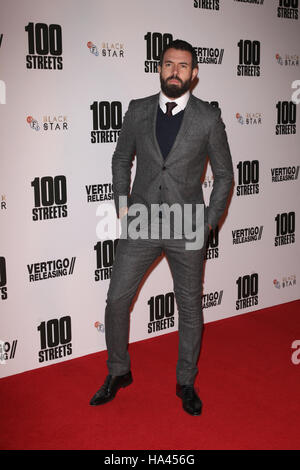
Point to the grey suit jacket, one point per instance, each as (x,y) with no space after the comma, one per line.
(176,179)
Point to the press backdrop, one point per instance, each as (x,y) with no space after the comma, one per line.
(68,70)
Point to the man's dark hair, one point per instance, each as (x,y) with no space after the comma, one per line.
(183,46)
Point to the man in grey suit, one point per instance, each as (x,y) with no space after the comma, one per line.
(171,134)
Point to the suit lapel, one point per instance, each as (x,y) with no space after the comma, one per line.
(152,122)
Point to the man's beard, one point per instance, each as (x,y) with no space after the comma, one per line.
(175,91)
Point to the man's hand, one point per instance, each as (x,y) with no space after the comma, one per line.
(123,211)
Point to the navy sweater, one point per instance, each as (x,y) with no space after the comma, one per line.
(167,129)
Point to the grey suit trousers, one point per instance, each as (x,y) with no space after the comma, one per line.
(132,261)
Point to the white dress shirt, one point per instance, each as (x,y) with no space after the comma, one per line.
(181,102)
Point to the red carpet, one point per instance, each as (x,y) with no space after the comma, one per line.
(247,382)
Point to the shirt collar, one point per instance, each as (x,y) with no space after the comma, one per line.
(181,102)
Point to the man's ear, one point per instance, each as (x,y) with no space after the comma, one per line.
(194,73)
(159,69)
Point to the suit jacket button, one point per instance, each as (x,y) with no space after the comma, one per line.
(164,168)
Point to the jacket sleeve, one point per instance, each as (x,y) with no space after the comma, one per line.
(122,158)
(222,168)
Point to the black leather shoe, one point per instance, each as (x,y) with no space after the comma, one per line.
(110,387)
(191,403)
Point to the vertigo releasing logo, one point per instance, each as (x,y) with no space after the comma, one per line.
(212,299)
(253,2)
(285,173)
(246,235)
(249,58)
(50,197)
(3,279)
(285,228)
(50,269)
(7,350)
(99,192)
(209,55)
(44,46)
